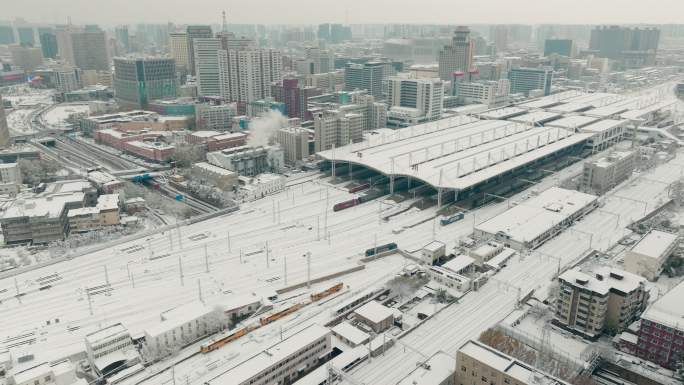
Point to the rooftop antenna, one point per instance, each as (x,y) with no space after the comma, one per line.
(225,22)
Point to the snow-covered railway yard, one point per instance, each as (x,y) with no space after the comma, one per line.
(226,256)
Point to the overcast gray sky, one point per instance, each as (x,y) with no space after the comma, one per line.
(354,11)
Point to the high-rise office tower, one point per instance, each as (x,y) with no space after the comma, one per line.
(366,76)
(425,96)
(27,36)
(498,34)
(458,56)
(206,61)
(195,32)
(524,80)
(48,44)
(6,34)
(561,47)
(231,41)
(178,47)
(89,49)
(4,129)
(64,45)
(321,60)
(122,38)
(631,47)
(336,128)
(28,58)
(247,75)
(137,81)
(295,97)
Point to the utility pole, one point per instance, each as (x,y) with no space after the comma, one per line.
(267,256)
(229,241)
(206,258)
(149,247)
(180,270)
(199,290)
(308,269)
(241,256)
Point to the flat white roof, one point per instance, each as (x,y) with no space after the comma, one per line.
(572,122)
(531,218)
(606,111)
(669,309)
(271,356)
(205,133)
(351,333)
(321,374)
(638,114)
(550,100)
(503,113)
(433,246)
(178,316)
(655,244)
(106,333)
(459,263)
(108,201)
(611,279)
(536,117)
(214,169)
(437,369)
(604,125)
(50,206)
(374,311)
(458,152)
(486,355)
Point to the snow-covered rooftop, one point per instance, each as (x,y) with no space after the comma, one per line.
(459,263)
(214,169)
(436,369)
(503,113)
(669,309)
(533,217)
(536,117)
(271,356)
(610,279)
(458,152)
(572,122)
(655,244)
(604,125)
(374,312)
(433,246)
(351,333)
(106,333)
(49,206)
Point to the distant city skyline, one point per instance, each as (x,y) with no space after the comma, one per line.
(350,11)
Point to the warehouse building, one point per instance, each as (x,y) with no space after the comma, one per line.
(376,315)
(530,224)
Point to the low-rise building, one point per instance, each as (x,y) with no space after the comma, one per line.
(106,183)
(217,176)
(376,315)
(283,362)
(215,117)
(432,252)
(350,334)
(479,364)
(46,373)
(155,151)
(649,255)
(607,300)
(249,161)
(603,174)
(10,172)
(528,225)
(449,278)
(485,252)
(261,185)
(39,220)
(226,140)
(110,349)
(105,213)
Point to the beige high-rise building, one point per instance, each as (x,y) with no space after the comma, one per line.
(178,46)
(295,143)
(246,75)
(335,129)
(458,56)
(4,129)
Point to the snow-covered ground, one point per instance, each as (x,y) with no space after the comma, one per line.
(55,117)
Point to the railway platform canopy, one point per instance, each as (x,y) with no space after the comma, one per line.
(456,153)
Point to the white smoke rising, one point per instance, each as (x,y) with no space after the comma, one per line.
(263,128)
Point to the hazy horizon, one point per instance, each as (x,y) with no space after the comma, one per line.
(350,11)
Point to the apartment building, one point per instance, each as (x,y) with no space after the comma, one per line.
(217,176)
(608,300)
(335,128)
(283,362)
(603,174)
(295,143)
